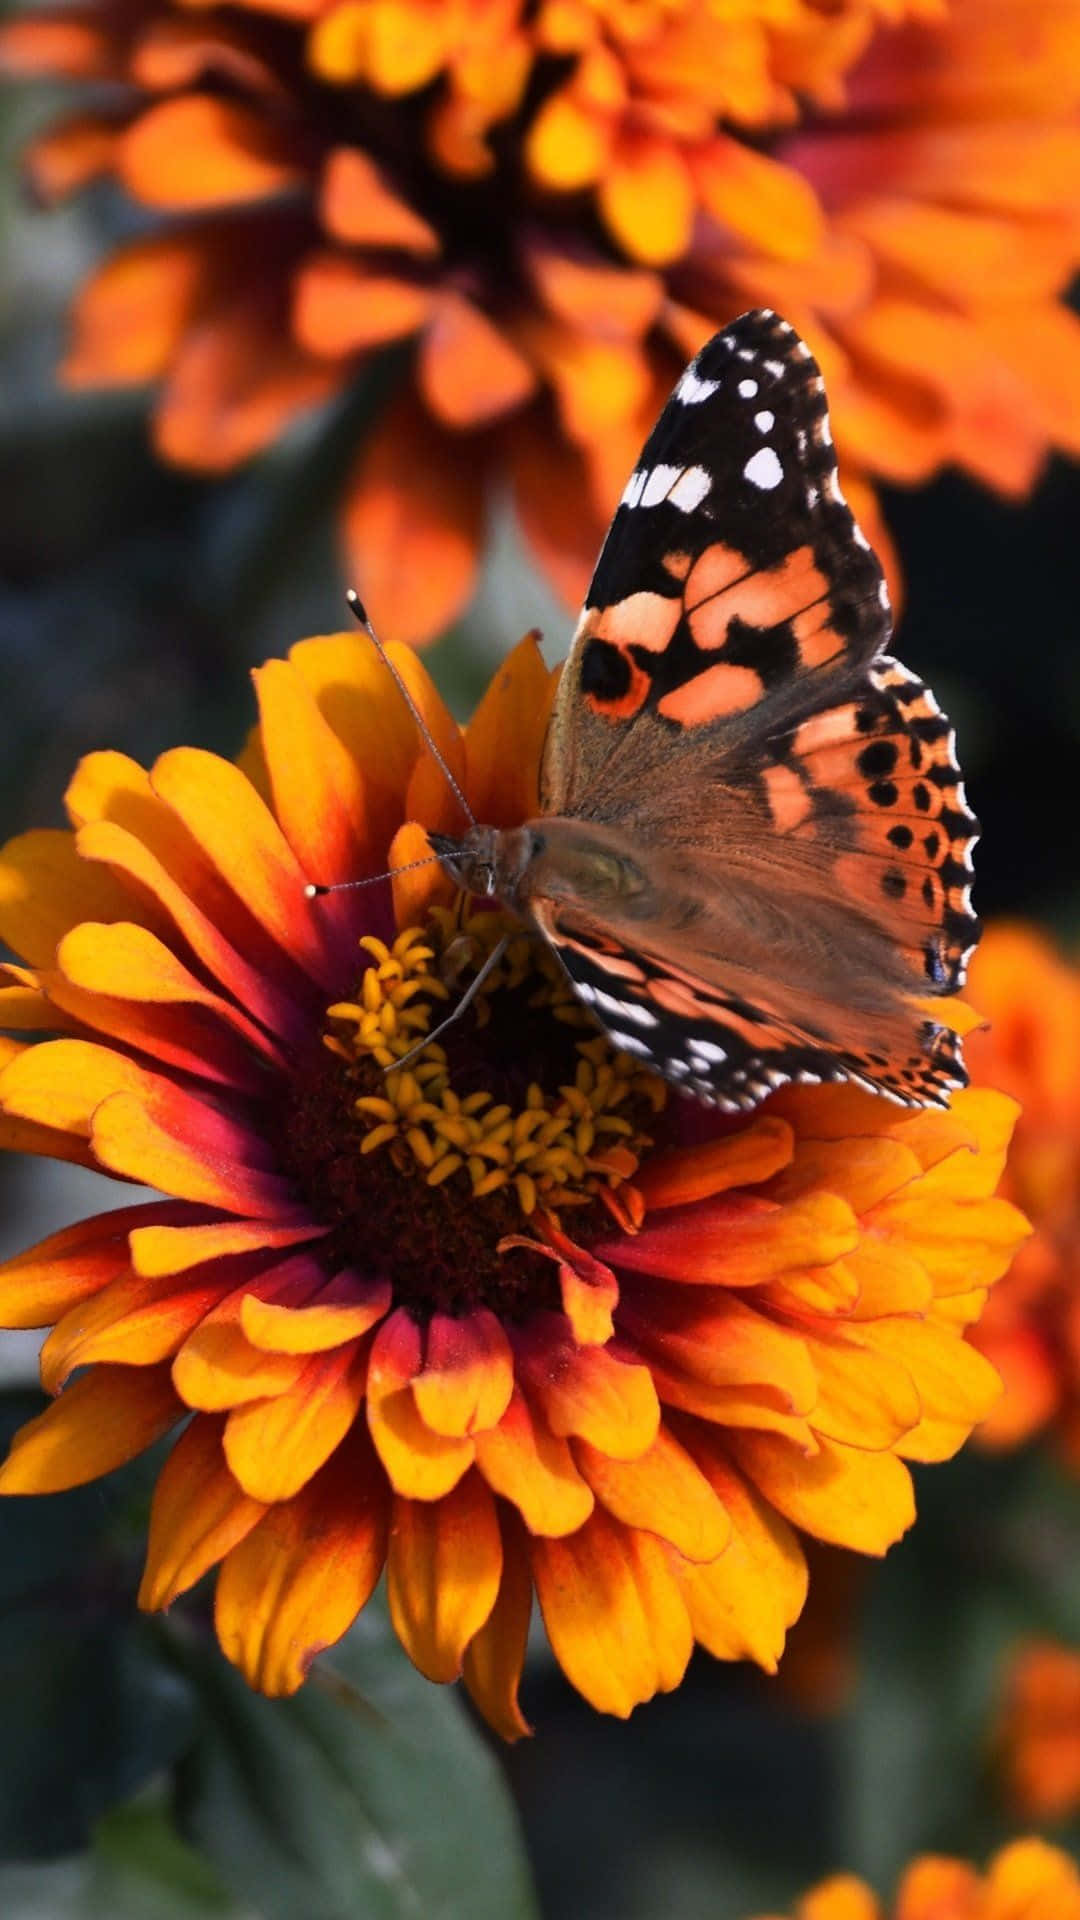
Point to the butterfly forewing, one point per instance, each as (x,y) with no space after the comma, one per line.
(728,712)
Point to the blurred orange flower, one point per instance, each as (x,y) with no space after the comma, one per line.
(1025,1881)
(553,206)
(505,1319)
(1031,1049)
(1037,1737)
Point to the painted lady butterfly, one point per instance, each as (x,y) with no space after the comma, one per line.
(754,851)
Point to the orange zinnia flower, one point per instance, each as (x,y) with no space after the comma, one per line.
(555,205)
(1031,1048)
(508,1318)
(1025,1881)
(1037,1737)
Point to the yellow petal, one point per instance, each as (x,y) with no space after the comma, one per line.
(443,1573)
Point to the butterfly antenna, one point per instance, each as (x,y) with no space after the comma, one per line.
(315,889)
(359,613)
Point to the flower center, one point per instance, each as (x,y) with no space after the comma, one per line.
(447,1170)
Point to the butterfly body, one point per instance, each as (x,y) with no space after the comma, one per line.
(753,848)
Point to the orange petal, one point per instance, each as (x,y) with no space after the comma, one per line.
(495,1656)
(419,882)
(316,1329)
(198,1515)
(862,1171)
(218,1367)
(468,371)
(155,1139)
(468,1374)
(865,1397)
(442,1574)
(853,1499)
(661,1492)
(759,199)
(589,1299)
(718,1339)
(172,54)
(614,1613)
(356,204)
(359,700)
(318,788)
(127,962)
(504,737)
(522,1460)
(420,1463)
(133,1320)
(202,150)
(39,1286)
(681,1176)
(172,1249)
(45,889)
(413,523)
(738,1242)
(957,1386)
(587,1391)
(66,158)
(588,292)
(236,381)
(131,314)
(299,1579)
(341,306)
(646,198)
(246,847)
(742,1605)
(70,41)
(103,1419)
(273,1447)
(61,1082)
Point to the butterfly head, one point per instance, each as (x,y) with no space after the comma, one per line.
(486,861)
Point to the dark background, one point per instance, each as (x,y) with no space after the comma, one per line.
(133,600)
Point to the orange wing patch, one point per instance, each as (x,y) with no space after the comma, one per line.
(723,587)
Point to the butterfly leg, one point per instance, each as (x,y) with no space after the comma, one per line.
(467,997)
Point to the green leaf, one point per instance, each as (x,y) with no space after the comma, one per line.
(137,1869)
(369,1793)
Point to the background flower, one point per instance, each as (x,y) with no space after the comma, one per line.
(548,210)
(1030,995)
(505,1318)
(1024,1879)
(1037,1737)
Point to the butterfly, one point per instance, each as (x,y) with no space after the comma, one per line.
(753,850)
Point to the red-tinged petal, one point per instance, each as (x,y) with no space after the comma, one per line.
(614,1613)
(661,1492)
(39,1286)
(442,1574)
(468,1374)
(218,1367)
(587,1391)
(420,1463)
(357,205)
(173,1248)
(681,1176)
(853,1499)
(187,1039)
(738,1242)
(299,1579)
(589,1299)
(743,1604)
(414,521)
(863,1172)
(495,1656)
(646,197)
(26,1136)
(103,1419)
(269,1000)
(45,889)
(133,1320)
(273,1447)
(197,1516)
(469,372)
(864,1398)
(73,42)
(128,963)
(341,306)
(504,737)
(316,1329)
(181,1146)
(319,790)
(201,150)
(173,54)
(522,1460)
(244,844)
(721,1341)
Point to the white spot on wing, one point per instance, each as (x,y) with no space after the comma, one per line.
(764,470)
(690,489)
(775,367)
(747,389)
(707,1051)
(639,1016)
(629,1043)
(765,421)
(631,494)
(691,390)
(658,485)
